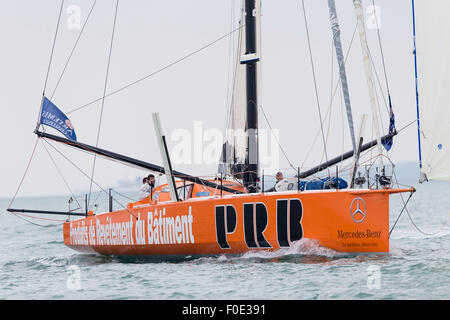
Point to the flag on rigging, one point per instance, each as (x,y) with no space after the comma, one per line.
(387,143)
(53,117)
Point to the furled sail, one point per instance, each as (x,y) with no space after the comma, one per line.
(342,73)
(368,71)
(432,31)
(236,147)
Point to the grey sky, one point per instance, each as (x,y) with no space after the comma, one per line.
(151,34)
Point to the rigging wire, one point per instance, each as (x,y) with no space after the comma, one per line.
(390,111)
(371,158)
(124,196)
(405,208)
(25,173)
(49,64)
(377,101)
(103,99)
(315,84)
(338,85)
(418,229)
(53,47)
(331,90)
(61,175)
(277,140)
(231,78)
(229,117)
(409,216)
(341,102)
(378,80)
(87,176)
(157,71)
(94,203)
(230,55)
(73,50)
(401,212)
(19,215)
(374,71)
(267,119)
(381,48)
(406,126)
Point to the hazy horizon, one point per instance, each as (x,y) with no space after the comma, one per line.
(406,172)
(152,34)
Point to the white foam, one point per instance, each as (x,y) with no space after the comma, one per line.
(308,247)
(416,235)
(395,251)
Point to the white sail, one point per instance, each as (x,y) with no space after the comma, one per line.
(368,71)
(238,112)
(432,26)
(235,145)
(342,72)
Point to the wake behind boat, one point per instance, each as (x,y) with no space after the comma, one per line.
(234,213)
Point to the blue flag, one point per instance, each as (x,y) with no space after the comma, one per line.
(53,117)
(387,143)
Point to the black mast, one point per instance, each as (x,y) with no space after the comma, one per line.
(251,171)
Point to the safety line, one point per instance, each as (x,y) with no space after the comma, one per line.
(157,71)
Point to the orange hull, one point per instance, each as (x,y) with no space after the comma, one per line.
(346,221)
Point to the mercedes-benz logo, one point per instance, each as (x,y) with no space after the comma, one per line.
(358,210)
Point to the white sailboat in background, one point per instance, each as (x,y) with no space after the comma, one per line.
(432,52)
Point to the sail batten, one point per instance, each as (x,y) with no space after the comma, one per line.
(432,31)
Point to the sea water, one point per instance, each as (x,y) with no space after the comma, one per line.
(35,263)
